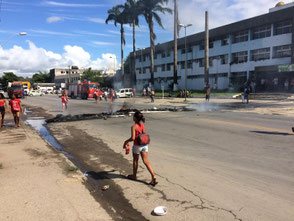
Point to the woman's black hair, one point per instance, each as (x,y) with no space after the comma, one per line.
(139,116)
(1,96)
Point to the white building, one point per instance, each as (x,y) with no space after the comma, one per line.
(259,49)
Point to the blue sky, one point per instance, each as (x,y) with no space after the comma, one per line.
(73,32)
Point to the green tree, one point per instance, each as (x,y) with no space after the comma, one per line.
(150,9)
(116,15)
(41,77)
(93,76)
(132,10)
(8,77)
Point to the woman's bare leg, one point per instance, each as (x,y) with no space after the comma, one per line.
(135,165)
(144,156)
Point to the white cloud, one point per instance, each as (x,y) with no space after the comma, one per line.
(220,12)
(54,19)
(61,4)
(26,62)
(97,20)
(103,43)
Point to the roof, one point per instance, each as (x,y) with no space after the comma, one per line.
(219,32)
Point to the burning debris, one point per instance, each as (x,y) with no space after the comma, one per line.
(123,112)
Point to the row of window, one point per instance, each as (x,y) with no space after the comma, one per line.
(262,54)
(241,36)
(239,57)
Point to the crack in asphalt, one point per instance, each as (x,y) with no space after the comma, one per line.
(199,206)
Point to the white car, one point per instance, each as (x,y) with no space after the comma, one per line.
(36,93)
(125,92)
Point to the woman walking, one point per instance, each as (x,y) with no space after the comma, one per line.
(137,129)
(64,100)
(15,108)
(3,108)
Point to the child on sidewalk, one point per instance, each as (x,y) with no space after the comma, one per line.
(15,108)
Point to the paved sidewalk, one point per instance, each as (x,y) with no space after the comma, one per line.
(35,183)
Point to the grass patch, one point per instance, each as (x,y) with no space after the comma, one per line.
(1,166)
(72,168)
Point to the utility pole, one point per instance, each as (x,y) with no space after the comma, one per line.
(175,45)
(206,68)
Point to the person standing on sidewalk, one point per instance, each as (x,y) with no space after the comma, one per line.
(207,95)
(137,129)
(15,108)
(3,108)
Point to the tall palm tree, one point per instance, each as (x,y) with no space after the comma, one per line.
(150,9)
(116,15)
(132,12)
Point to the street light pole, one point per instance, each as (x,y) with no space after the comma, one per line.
(185,26)
(21,33)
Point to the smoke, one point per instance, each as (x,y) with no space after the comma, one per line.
(205,107)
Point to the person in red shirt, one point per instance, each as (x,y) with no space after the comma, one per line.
(3,108)
(64,100)
(138,150)
(15,108)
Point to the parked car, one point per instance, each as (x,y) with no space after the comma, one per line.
(49,91)
(36,93)
(125,92)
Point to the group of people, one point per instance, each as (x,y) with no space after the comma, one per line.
(100,94)
(149,92)
(14,107)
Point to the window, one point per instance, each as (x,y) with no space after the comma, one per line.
(144,70)
(155,56)
(261,32)
(168,67)
(283,28)
(155,68)
(225,41)
(240,57)
(163,67)
(182,65)
(211,61)
(210,44)
(224,59)
(139,70)
(144,57)
(240,36)
(168,53)
(282,51)
(163,55)
(202,45)
(190,49)
(189,64)
(201,62)
(260,54)
(183,50)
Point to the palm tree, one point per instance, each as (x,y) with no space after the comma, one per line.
(115,14)
(150,8)
(132,12)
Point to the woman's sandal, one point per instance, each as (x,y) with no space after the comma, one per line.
(153,182)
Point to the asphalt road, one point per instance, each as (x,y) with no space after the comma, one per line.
(210,165)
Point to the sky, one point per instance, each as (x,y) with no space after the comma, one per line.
(73,32)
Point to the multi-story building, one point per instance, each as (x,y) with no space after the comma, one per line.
(257,50)
(66,75)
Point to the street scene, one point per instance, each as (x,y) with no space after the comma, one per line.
(196,123)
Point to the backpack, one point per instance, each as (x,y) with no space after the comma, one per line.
(143,139)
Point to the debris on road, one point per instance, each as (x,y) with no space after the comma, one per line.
(105,187)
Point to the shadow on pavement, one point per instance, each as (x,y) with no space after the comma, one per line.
(110,175)
(272,133)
